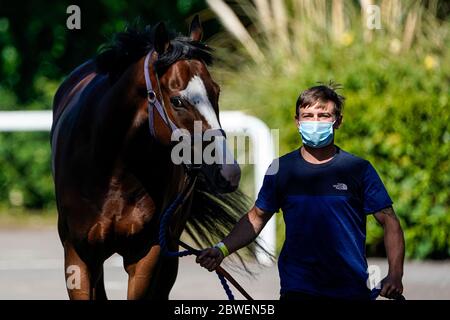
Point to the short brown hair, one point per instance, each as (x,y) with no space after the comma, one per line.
(321,94)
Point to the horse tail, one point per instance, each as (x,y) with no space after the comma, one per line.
(214,215)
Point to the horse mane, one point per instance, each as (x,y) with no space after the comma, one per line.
(213,216)
(129,46)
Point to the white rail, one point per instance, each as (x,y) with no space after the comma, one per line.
(25,120)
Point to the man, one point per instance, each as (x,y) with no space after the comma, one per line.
(325,194)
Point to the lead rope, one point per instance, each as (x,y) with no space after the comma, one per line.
(165,219)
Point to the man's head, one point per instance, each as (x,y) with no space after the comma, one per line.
(319,104)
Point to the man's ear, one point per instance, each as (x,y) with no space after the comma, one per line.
(338,122)
(196,30)
(161,38)
(296,120)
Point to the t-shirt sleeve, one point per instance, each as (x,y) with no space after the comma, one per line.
(268,199)
(375,195)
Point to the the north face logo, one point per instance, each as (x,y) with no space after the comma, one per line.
(340,186)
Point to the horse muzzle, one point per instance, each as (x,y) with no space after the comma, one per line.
(222,178)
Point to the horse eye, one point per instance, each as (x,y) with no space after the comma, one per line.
(176,102)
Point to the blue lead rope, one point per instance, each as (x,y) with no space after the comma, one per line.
(165,218)
(374,293)
(225,286)
(163,228)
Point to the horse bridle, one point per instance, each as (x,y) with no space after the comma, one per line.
(154,102)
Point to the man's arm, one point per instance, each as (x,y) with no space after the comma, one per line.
(394,243)
(244,232)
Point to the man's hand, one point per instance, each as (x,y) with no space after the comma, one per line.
(210,258)
(391,287)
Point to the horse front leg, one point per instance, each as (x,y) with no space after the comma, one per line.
(164,279)
(99,292)
(152,276)
(140,272)
(83,281)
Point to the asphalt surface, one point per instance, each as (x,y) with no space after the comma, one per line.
(31,267)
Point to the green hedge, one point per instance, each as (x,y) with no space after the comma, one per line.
(25,175)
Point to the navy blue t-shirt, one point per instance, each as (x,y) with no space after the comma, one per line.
(324,209)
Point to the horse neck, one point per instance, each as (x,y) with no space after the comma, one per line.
(115,116)
(162,173)
(121,135)
(150,162)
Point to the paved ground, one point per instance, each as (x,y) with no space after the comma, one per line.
(31,267)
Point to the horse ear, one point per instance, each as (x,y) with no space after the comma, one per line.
(196,30)
(161,38)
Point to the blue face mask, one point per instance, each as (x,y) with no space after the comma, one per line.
(316,134)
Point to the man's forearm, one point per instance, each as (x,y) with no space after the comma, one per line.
(395,247)
(246,230)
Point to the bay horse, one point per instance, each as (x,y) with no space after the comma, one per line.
(111,160)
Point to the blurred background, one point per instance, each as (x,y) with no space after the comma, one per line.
(395,76)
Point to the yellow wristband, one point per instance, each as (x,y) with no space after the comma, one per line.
(223,248)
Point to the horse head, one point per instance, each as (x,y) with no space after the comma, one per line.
(189,99)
